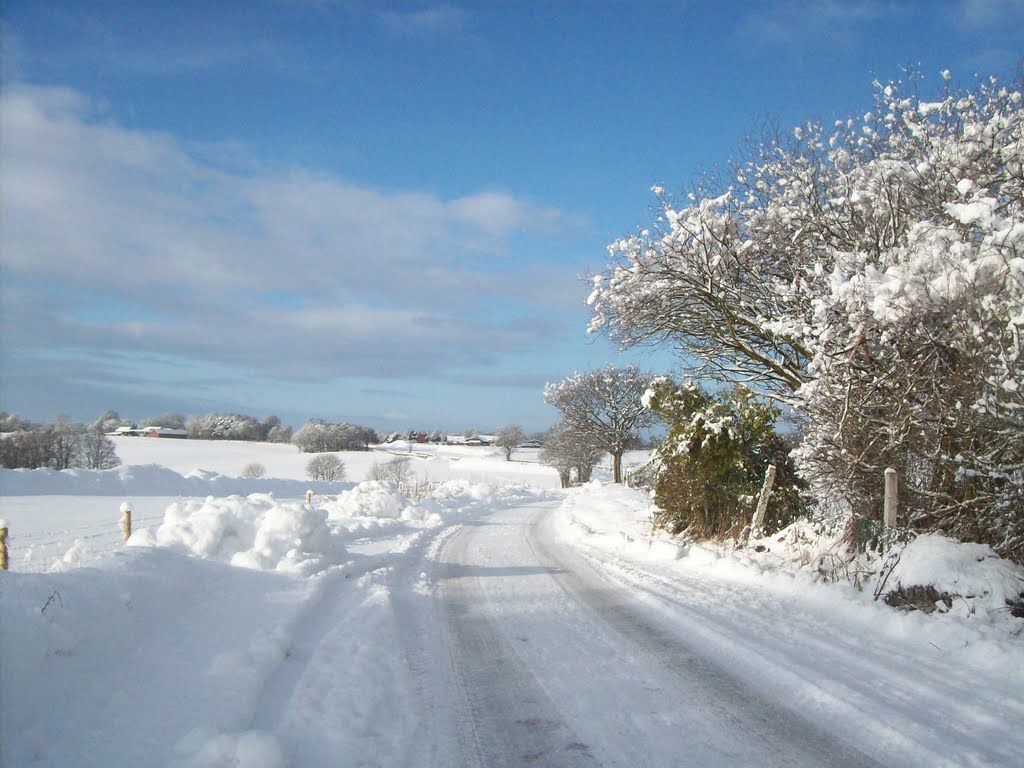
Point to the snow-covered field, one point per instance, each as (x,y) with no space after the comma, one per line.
(495,620)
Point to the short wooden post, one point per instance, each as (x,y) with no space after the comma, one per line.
(3,549)
(309,497)
(762,501)
(891,498)
(126,509)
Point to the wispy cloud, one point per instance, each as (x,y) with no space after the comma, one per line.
(297,274)
(426,24)
(789,22)
(986,14)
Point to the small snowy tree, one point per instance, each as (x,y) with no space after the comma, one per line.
(279,434)
(396,470)
(255,470)
(97,451)
(604,408)
(570,453)
(325,466)
(508,438)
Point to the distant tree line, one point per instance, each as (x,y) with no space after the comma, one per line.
(58,445)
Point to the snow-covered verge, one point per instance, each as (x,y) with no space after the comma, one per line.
(150,480)
(174,651)
(971,619)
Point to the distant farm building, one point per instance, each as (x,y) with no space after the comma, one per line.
(150,432)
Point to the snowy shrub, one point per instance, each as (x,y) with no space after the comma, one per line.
(254,470)
(279,434)
(396,470)
(223,426)
(326,466)
(318,436)
(870,275)
(712,463)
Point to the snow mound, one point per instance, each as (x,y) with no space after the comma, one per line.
(974,580)
(617,519)
(250,749)
(450,499)
(149,480)
(256,531)
(368,499)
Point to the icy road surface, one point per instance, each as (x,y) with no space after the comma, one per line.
(514,648)
(543,662)
(503,639)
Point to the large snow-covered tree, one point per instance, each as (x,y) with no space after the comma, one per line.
(604,408)
(872,275)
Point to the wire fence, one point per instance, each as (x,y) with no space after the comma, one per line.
(46,545)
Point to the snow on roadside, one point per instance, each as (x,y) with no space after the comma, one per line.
(256,531)
(978,627)
(166,652)
(150,480)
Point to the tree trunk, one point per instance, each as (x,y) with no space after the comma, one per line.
(617,466)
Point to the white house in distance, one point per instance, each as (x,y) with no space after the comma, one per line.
(149,432)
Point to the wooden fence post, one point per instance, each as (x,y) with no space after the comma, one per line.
(891,498)
(3,549)
(126,508)
(762,501)
(309,497)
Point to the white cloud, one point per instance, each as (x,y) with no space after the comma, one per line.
(125,240)
(985,14)
(428,23)
(787,22)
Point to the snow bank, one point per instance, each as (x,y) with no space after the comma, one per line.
(978,582)
(204,748)
(368,499)
(804,559)
(256,532)
(446,502)
(150,480)
(147,658)
(617,519)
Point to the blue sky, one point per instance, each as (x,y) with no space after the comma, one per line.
(381,212)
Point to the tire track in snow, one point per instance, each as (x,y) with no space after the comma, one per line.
(902,705)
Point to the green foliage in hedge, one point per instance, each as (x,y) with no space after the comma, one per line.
(710,467)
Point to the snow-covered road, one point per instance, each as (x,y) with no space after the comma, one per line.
(506,634)
(547,663)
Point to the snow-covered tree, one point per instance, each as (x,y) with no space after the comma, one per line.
(318,436)
(397,470)
(97,451)
(871,275)
(221,426)
(170,420)
(109,421)
(325,466)
(604,408)
(279,434)
(570,452)
(508,438)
